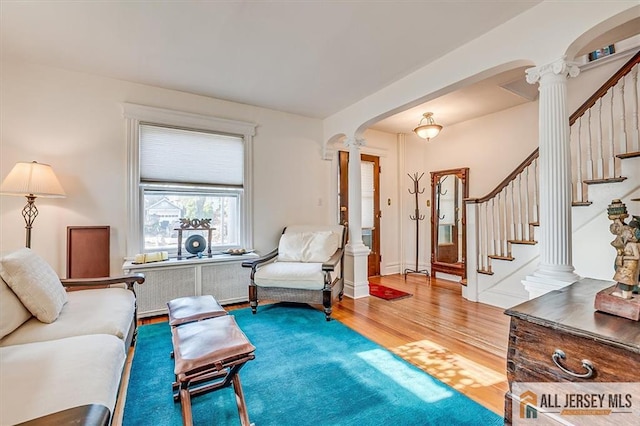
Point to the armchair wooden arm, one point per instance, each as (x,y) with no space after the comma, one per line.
(129,280)
(330,264)
(253,264)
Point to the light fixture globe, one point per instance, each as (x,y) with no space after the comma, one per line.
(429,130)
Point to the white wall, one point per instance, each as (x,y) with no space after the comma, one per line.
(74,122)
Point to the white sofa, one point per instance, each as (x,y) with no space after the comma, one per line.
(61,349)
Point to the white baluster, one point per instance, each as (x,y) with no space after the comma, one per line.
(612,147)
(499,223)
(579,162)
(599,156)
(505,220)
(526,204)
(623,126)
(485,237)
(536,192)
(635,144)
(520,219)
(589,147)
(513,211)
(480,230)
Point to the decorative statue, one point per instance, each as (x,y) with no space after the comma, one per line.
(627,248)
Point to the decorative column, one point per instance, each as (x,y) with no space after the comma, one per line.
(555,269)
(356,253)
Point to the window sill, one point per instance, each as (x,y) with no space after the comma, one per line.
(216,258)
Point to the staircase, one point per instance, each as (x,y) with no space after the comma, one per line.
(501,226)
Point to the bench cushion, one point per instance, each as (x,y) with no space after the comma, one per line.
(104,311)
(193,308)
(298,275)
(42,378)
(204,343)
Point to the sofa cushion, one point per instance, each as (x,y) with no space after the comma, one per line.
(34,282)
(298,275)
(12,311)
(101,310)
(37,379)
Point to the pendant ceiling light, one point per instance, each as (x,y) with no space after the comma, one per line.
(430,129)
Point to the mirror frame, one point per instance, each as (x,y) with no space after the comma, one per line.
(458,268)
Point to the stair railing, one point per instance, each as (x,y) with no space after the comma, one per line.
(602,128)
(605,129)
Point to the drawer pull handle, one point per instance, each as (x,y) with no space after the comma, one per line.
(586,364)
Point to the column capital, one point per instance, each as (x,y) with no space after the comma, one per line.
(354,142)
(559,67)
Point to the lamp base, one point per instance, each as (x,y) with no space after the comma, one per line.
(29,213)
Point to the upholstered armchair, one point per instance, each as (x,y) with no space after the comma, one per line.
(307,267)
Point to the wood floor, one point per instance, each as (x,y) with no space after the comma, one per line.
(462,343)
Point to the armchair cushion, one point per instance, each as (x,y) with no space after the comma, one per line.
(35,283)
(298,275)
(307,246)
(12,311)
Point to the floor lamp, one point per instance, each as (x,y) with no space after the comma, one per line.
(31,180)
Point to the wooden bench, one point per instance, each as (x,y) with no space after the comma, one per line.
(209,353)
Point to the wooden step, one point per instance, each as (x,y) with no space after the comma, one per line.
(534,223)
(628,155)
(482,271)
(581,203)
(495,256)
(528,242)
(607,180)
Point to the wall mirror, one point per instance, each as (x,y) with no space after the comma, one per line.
(448,222)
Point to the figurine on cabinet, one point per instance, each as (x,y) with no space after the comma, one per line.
(622,299)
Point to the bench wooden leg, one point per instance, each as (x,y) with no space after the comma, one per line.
(242,407)
(185,404)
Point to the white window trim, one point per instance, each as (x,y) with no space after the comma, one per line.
(134,115)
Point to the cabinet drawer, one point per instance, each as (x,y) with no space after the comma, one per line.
(531,347)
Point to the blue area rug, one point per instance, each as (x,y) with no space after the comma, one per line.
(307,372)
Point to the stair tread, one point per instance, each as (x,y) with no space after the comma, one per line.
(534,223)
(581,203)
(529,242)
(482,271)
(495,256)
(606,180)
(629,155)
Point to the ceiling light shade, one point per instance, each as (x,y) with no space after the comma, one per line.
(430,129)
(32,179)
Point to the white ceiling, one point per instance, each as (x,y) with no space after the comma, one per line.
(312,58)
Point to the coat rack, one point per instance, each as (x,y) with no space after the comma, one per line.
(417,217)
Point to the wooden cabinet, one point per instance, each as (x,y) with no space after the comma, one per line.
(566,320)
(223,277)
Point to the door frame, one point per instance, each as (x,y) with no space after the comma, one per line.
(374,258)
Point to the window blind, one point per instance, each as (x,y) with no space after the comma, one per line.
(190,157)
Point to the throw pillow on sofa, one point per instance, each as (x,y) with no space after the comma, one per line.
(12,312)
(35,283)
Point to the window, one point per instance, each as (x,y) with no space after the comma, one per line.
(185,165)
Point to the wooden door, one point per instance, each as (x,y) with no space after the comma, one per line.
(370,204)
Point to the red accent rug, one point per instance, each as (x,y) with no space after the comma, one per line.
(387,293)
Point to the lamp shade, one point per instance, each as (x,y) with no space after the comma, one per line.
(32,179)
(429,130)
